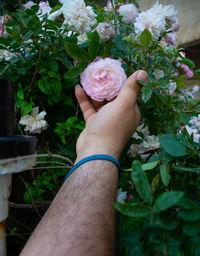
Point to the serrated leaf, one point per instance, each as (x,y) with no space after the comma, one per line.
(76,52)
(145,37)
(172,146)
(75,71)
(167,200)
(94,46)
(26,107)
(45,86)
(139,211)
(53,66)
(147,94)
(141,182)
(164,173)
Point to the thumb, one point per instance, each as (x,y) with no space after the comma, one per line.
(131,88)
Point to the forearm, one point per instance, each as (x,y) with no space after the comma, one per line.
(81,219)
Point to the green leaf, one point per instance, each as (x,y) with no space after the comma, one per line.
(75,71)
(172,146)
(145,37)
(94,46)
(187,62)
(120,43)
(76,52)
(53,66)
(129,238)
(141,182)
(20,94)
(186,169)
(57,7)
(138,210)
(192,228)
(28,35)
(197,72)
(180,82)
(164,173)
(26,107)
(189,215)
(187,204)
(149,166)
(147,94)
(167,200)
(56,86)
(22,71)
(155,182)
(45,86)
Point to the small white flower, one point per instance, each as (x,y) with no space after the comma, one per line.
(78,17)
(35,122)
(195,89)
(6,55)
(172,88)
(196,137)
(158,73)
(195,122)
(151,142)
(194,128)
(105,31)
(44,8)
(129,13)
(193,93)
(28,5)
(140,150)
(108,7)
(167,11)
(82,38)
(155,19)
(121,196)
(141,129)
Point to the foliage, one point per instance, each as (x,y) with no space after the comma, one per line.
(163,213)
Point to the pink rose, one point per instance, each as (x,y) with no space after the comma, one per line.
(188,72)
(171,38)
(103,79)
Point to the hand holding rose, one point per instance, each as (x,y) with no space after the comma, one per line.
(109,127)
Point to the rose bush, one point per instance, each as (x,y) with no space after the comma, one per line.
(48,49)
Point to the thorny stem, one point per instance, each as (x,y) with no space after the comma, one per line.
(36,69)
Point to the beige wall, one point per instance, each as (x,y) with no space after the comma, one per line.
(188,15)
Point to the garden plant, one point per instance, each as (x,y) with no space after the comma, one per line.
(46,49)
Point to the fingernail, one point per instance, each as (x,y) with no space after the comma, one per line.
(77,86)
(143,76)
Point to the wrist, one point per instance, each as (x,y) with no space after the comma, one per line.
(98,149)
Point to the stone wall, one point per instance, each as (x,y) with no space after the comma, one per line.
(188,15)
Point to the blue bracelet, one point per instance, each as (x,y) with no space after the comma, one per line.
(91,158)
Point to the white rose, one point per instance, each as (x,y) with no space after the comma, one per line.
(105,31)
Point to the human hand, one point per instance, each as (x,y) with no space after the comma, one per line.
(109,127)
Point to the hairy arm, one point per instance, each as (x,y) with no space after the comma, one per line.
(81,219)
